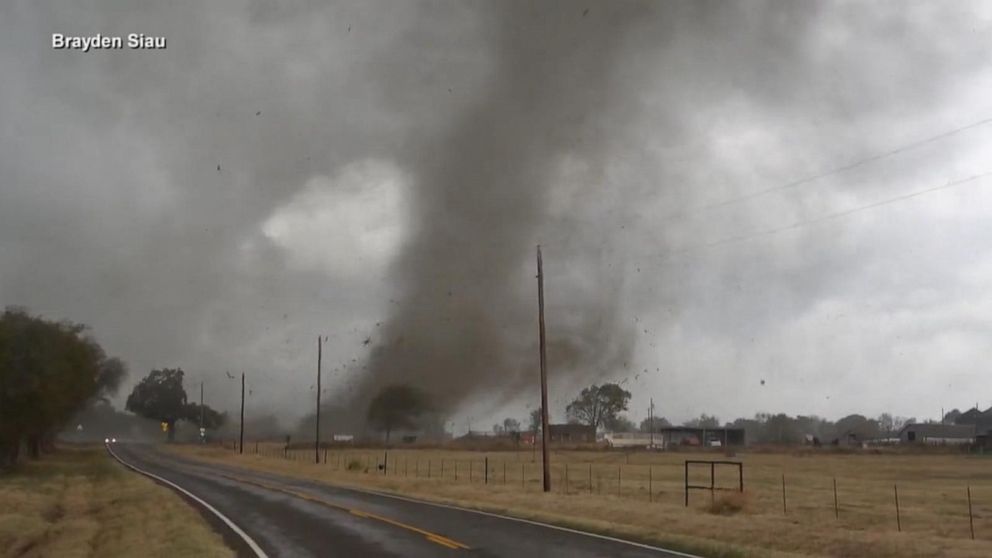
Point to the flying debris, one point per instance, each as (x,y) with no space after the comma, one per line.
(259,113)
(762,382)
(367,340)
(229,375)
(218,168)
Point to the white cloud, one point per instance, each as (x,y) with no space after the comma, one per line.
(347,225)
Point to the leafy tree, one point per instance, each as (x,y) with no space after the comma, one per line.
(889,426)
(782,429)
(112,373)
(535,420)
(397,406)
(659,423)
(703,421)
(161,396)
(211,419)
(511,425)
(620,423)
(48,372)
(859,426)
(598,405)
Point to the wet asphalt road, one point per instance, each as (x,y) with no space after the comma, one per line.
(293,517)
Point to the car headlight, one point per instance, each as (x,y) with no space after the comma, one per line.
(106,440)
(113,440)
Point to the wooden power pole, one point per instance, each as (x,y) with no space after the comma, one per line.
(316,439)
(241,444)
(651,422)
(545,430)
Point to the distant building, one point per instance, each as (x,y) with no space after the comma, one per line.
(572,433)
(689,436)
(937,434)
(634,440)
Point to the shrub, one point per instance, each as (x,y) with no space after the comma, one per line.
(729,503)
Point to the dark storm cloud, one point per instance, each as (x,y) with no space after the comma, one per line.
(592,128)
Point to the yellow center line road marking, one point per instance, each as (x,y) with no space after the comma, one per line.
(432,537)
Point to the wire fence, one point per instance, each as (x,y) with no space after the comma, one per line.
(935,501)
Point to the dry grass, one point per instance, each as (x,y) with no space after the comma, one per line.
(78,502)
(932,493)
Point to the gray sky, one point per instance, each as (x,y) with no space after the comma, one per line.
(374,156)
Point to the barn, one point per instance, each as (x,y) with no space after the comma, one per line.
(937,434)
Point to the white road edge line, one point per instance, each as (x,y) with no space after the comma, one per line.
(518,520)
(244,536)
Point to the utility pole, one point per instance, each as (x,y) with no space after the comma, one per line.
(316,442)
(544,375)
(651,422)
(202,437)
(241,444)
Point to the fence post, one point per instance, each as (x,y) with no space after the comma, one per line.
(504,473)
(619,478)
(785,509)
(712,480)
(836,507)
(590,478)
(650,484)
(685,482)
(486,475)
(565,486)
(971,518)
(470,469)
(429,462)
(523,480)
(456,470)
(895,489)
(442,468)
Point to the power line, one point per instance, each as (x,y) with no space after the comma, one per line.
(831,216)
(834,170)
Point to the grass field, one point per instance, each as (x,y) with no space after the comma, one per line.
(79,502)
(641,495)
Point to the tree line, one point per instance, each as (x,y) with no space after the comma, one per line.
(604,408)
(49,371)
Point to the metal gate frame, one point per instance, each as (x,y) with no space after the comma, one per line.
(712,486)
